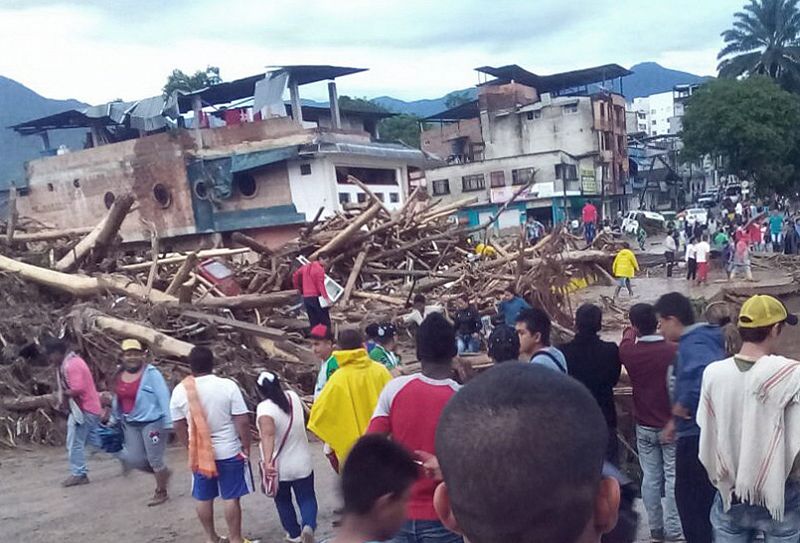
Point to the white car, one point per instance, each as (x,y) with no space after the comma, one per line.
(697,214)
(632,219)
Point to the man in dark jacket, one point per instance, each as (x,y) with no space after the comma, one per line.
(468,325)
(699,344)
(596,364)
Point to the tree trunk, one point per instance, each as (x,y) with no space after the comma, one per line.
(348,232)
(160,344)
(183,274)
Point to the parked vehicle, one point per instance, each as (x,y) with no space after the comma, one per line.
(697,214)
(707,202)
(651,222)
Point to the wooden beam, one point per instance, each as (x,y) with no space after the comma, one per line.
(159,343)
(355,180)
(379,297)
(183,274)
(252,301)
(49,235)
(247,241)
(351,281)
(348,232)
(175,259)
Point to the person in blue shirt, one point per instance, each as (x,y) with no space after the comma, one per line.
(533,328)
(141,404)
(699,344)
(511,305)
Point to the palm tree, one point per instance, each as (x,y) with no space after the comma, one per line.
(765,39)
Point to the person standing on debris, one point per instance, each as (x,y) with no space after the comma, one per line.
(141,403)
(385,344)
(670,248)
(595,363)
(322,346)
(647,358)
(699,344)
(212,421)
(533,328)
(749,422)
(624,269)
(776,230)
(504,344)
(741,260)
(343,410)
(589,216)
(285,454)
(76,384)
(534,230)
(468,325)
(309,279)
(511,306)
(702,253)
(408,411)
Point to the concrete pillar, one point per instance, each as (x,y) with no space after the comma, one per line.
(297,111)
(197,107)
(45,140)
(333,98)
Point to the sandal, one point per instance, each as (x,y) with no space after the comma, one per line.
(159,497)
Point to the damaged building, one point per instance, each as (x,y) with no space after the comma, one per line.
(230,157)
(565,131)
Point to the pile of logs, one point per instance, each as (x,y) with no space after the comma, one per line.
(81,285)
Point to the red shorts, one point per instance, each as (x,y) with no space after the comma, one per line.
(702,271)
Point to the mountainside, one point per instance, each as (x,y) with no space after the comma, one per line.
(18,103)
(420,108)
(651,78)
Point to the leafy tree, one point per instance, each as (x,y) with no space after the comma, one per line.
(764,40)
(180,81)
(358,104)
(456,98)
(404,127)
(752,123)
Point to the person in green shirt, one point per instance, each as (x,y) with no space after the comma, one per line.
(385,343)
(322,346)
(721,239)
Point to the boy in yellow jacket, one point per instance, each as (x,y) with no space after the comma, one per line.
(624,268)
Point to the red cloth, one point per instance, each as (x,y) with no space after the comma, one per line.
(79,379)
(702,271)
(126,394)
(754,231)
(589,213)
(233,117)
(647,363)
(408,410)
(310,280)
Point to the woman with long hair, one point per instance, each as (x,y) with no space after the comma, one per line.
(285,456)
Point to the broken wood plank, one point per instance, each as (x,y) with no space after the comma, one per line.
(247,241)
(175,259)
(347,233)
(379,297)
(356,181)
(159,343)
(183,274)
(252,301)
(354,273)
(49,235)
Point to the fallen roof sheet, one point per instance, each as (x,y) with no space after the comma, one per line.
(467,110)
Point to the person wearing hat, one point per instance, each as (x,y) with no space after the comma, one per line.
(141,403)
(322,346)
(385,343)
(749,420)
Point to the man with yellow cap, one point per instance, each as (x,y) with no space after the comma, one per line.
(141,403)
(749,418)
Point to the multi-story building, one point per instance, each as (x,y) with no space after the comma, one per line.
(552,129)
(660,114)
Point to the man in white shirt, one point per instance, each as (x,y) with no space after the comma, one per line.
(670,248)
(702,251)
(749,419)
(228,423)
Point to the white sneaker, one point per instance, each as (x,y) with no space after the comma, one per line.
(293,539)
(307,535)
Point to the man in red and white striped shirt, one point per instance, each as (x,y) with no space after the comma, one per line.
(408,410)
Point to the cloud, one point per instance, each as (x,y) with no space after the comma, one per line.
(97,50)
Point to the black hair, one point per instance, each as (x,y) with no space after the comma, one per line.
(504,344)
(643,317)
(510,289)
(272,390)
(53,345)
(527,416)
(420,299)
(675,304)
(201,360)
(588,319)
(375,467)
(371,330)
(349,339)
(755,335)
(436,340)
(536,320)
(386,332)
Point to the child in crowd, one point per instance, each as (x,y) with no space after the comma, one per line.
(385,344)
(376,485)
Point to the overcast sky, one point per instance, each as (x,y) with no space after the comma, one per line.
(99,50)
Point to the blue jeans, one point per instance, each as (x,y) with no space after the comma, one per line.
(78,435)
(589,232)
(306,500)
(468,344)
(743,521)
(425,531)
(658,479)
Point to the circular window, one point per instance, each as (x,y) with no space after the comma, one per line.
(108,199)
(200,190)
(76,183)
(247,185)
(162,195)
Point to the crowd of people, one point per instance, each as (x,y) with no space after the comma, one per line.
(526,451)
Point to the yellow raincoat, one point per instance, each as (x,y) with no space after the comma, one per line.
(341,413)
(625,264)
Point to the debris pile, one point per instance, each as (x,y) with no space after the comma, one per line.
(82,285)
